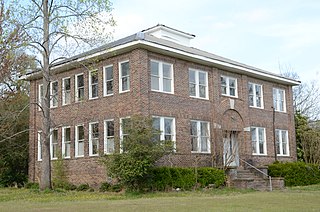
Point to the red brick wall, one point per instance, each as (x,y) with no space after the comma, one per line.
(141,100)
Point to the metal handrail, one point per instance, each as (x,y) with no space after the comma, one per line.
(270,180)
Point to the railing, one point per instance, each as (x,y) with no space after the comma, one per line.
(270,180)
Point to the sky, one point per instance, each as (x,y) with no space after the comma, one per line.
(272,35)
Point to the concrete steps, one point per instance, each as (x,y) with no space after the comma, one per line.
(252,179)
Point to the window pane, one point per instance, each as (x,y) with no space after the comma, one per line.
(168,126)
(258,90)
(192,89)
(223,81)
(110,145)
(204,129)
(193,129)
(194,143)
(202,78)
(254,147)
(109,87)
(94,90)
(154,83)
(232,91)
(67,84)
(125,83)
(167,85)
(67,150)
(95,146)
(94,77)
(250,88)
(204,144)
(110,130)
(192,76)
(156,123)
(67,134)
(202,91)
(251,101)
(167,71)
(154,68)
(232,83)
(109,72)
(80,81)
(223,90)
(81,148)
(124,69)
(253,134)
(80,133)
(81,93)
(258,101)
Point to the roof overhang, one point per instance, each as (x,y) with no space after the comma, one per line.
(170,51)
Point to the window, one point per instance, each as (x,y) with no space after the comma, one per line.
(54,94)
(255,95)
(93,84)
(200,136)
(124,125)
(79,90)
(279,103)
(161,76)
(40,95)
(166,127)
(93,139)
(229,86)
(39,146)
(66,142)
(79,141)
(198,84)
(108,80)
(124,77)
(66,91)
(54,144)
(109,137)
(282,142)
(258,137)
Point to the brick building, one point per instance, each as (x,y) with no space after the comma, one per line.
(217,111)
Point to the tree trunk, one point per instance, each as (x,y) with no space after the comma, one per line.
(45,177)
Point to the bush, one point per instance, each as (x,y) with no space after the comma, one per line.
(31,185)
(296,173)
(83,187)
(105,187)
(164,178)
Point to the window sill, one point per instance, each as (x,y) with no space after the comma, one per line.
(225,95)
(283,155)
(79,156)
(278,111)
(255,154)
(93,98)
(195,152)
(66,104)
(201,98)
(108,95)
(127,91)
(162,91)
(253,107)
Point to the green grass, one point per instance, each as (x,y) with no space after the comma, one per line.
(291,199)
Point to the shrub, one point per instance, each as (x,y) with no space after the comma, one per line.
(31,185)
(164,178)
(296,173)
(208,176)
(83,187)
(105,187)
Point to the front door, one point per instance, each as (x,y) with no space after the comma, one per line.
(230,149)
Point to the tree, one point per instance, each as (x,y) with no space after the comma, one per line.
(50,26)
(306,96)
(141,148)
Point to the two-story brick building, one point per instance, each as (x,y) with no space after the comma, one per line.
(217,111)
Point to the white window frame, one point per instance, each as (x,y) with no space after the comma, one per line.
(257,142)
(93,84)
(254,90)
(65,142)
(277,99)
(199,136)
(39,146)
(76,142)
(108,138)
(54,95)
(280,132)
(65,92)
(51,144)
(161,77)
(227,79)
(76,93)
(91,138)
(162,129)
(197,83)
(121,133)
(105,81)
(120,77)
(40,96)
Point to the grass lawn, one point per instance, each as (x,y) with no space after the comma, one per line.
(292,199)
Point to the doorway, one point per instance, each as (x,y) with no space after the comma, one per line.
(230,148)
